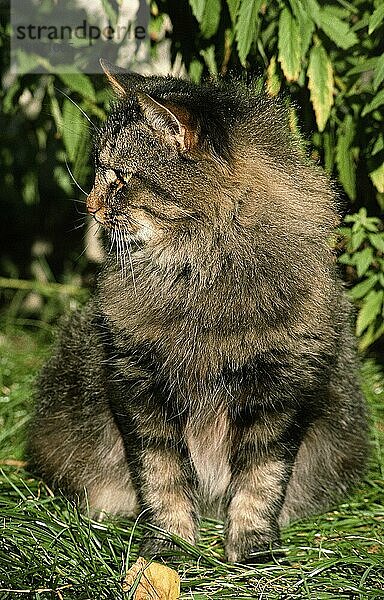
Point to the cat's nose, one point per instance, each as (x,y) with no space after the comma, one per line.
(95,204)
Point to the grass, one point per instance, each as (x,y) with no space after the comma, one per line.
(49,550)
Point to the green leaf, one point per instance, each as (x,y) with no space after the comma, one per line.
(329,151)
(197,9)
(30,188)
(246,27)
(344,159)
(320,76)
(377,240)
(80,83)
(337,30)
(195,70)
(358,217)
(363,261)
(378,145)
(289,44)
(81,165)
(371,224)
(345,259)
(207,13)
(376,18)
(361,219)
(75,128)
(370,310)
(361,289)
(367,64)
(63,180)
(377,177)
(211,18)
(371,335)
(341,13)
(357,238)
(361,23)
(377,101)
(306,25)
(208,55)
(345,231)
(273,82)
(8,99)
(379,72)
(233,7)
(312,8)
(56,113)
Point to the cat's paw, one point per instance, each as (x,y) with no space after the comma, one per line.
(153,547)
(260,555)
(252,547)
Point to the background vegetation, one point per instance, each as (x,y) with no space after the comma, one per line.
(326,58)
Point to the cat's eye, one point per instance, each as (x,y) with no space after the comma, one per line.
(125,177)
(122,178)
(119,178)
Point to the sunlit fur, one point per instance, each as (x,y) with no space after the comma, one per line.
(214,371)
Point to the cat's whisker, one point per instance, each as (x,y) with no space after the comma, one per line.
(83,252)
(112,241)
(113,246)
(80,109)
(95,224)
(79,212)
(77,227)
(78,201)
(120,254)
(117,244)
(124,252)
(122,257)
(188,214)
(73,178)
(132,270)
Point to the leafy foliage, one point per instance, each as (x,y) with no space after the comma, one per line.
(364,253)
(327,48)
(327,55)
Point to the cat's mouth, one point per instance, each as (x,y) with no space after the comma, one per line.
(134,226)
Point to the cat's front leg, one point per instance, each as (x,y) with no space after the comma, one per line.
(269,421)
(256,496)
(149,421)
(165,492)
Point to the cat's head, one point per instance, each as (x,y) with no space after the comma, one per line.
(163,158)
(188,170)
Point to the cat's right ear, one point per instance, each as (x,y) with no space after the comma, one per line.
(123,83)
(174,121)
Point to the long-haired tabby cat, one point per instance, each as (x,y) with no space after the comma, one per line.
(214,370)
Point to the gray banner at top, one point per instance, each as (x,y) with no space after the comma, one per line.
(69,36)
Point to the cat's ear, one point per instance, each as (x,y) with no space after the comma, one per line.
(122,82)
(174,121)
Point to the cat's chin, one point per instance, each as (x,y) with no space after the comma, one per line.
(129,233)
(126,240)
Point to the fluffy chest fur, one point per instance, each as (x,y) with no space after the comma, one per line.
(209,450)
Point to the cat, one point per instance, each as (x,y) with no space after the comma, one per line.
(214,371)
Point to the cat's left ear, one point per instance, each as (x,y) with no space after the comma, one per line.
(123,82)
(175,122)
